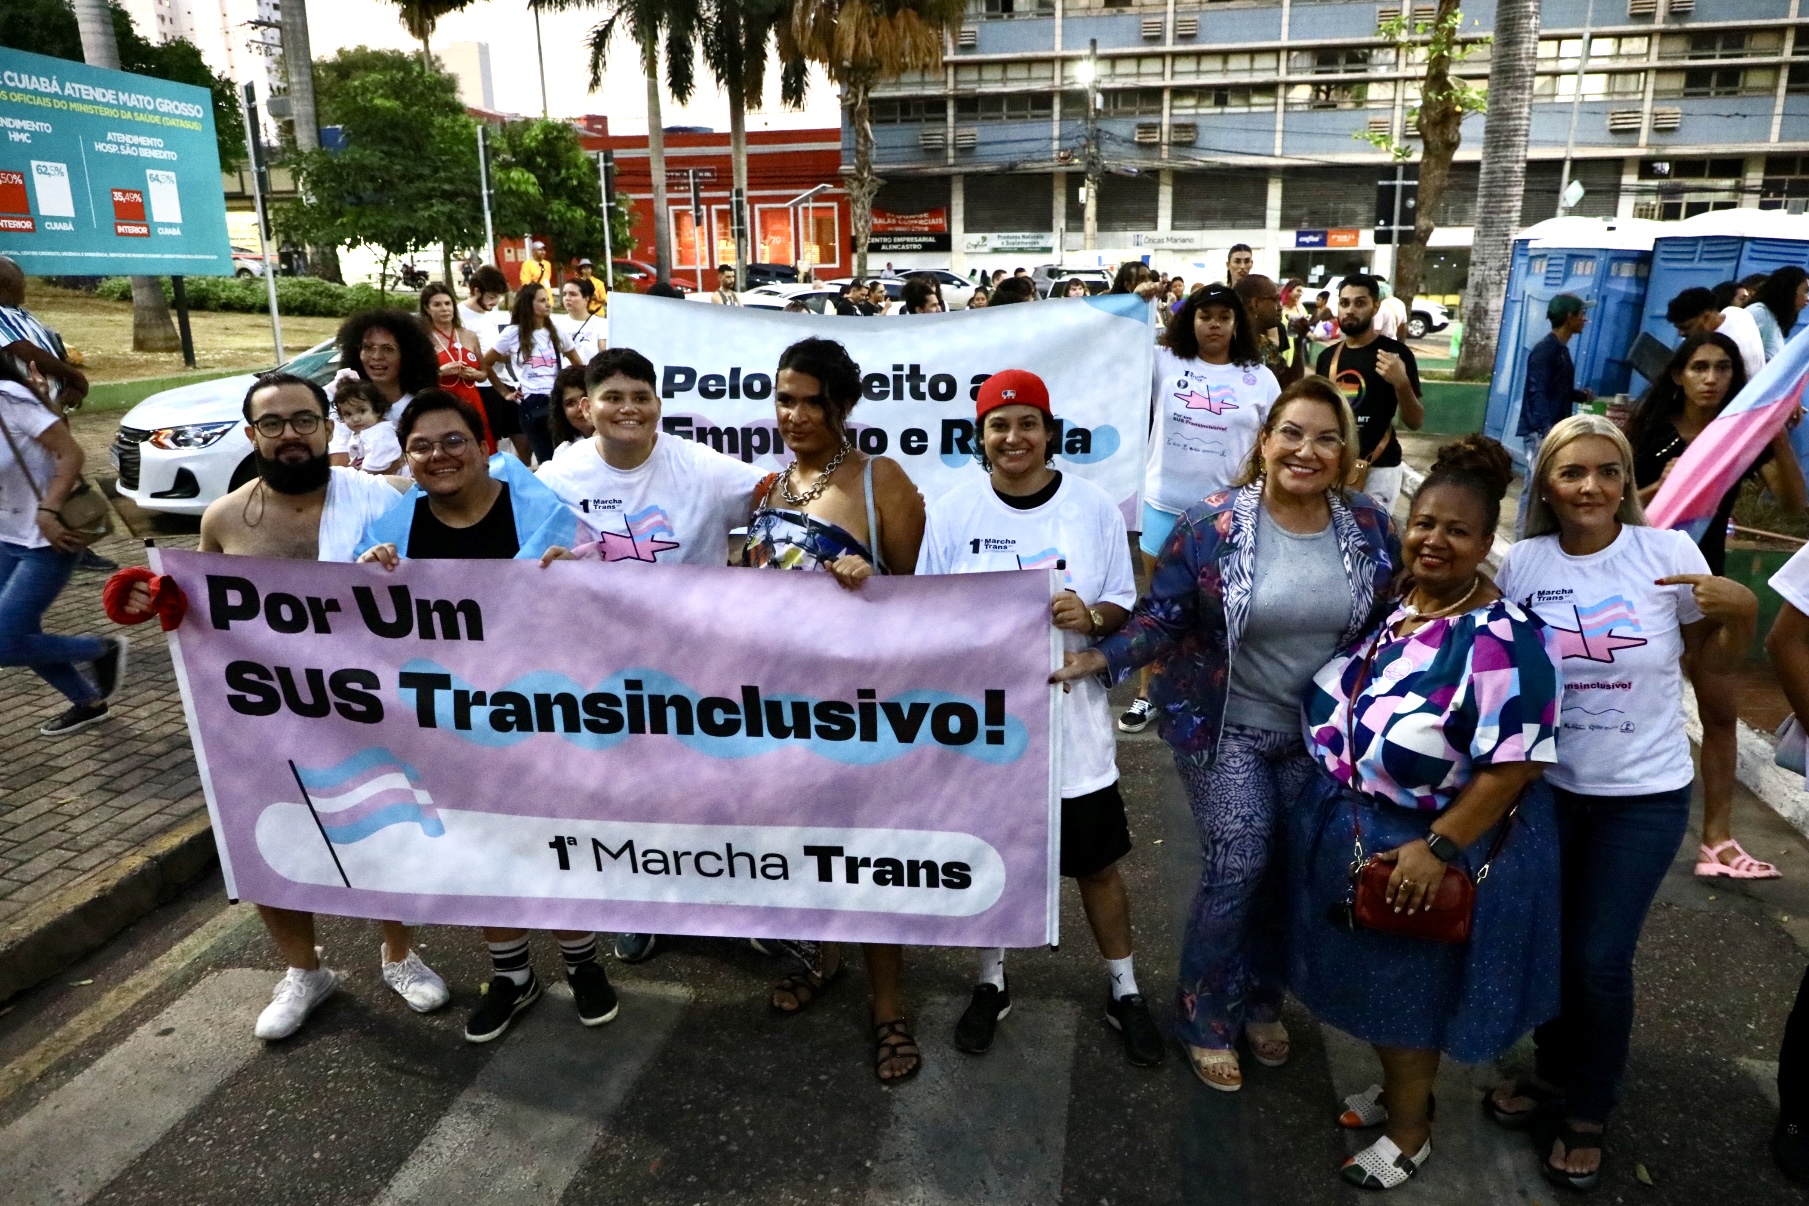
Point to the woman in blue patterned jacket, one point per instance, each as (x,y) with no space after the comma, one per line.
(1254,590)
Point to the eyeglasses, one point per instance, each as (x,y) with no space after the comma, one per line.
(1291,439)
(304,422)
(453,445)
(388,348)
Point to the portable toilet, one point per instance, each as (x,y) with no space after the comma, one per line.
(1603,261)
(1722,245)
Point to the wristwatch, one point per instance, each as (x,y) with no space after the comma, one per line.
(1098,620)
(1443,848)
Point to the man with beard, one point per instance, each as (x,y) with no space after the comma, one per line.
(300,507)
(1378,376)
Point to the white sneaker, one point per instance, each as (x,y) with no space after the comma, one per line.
(295,997)
(417,983)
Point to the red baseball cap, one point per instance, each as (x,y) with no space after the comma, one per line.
(1012,387)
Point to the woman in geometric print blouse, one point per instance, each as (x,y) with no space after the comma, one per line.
(1633,608)
(1431,731)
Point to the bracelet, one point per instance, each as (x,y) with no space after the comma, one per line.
(52,511)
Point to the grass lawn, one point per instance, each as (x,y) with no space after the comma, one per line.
(100,333)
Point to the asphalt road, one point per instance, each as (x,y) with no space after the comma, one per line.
(135,1079)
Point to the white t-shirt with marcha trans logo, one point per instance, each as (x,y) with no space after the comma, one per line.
(1207,419)
(1620,635)
(970,531)
(678,505)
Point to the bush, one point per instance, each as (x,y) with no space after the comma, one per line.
(300,295)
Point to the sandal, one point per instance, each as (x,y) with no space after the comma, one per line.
(895,1042)
(805,986)
(1543,1100)
(1364,1110)
(1217,1068)
(1271,1052)
(1574,1141)
(1744,866)
(1382,1165)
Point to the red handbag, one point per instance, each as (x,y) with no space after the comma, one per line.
(1447,916)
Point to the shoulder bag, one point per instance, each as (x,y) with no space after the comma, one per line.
(84,512)
(1447,917)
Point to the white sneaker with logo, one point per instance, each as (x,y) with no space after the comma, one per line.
(416,983)
(296,996)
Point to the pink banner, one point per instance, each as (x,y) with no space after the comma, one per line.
(666,749)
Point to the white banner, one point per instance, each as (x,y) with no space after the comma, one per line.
(921,374)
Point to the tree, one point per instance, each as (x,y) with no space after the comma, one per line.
(545,183)
(1502,182)
(1445,100)
(736,34)
(406,177)
(858,43)
(419,18)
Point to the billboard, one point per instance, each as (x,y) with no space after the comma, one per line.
(106,172)
(926,231)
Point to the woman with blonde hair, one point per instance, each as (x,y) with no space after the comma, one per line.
(1633,607)
(1252,591)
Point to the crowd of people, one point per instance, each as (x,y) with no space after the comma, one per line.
(1398,823)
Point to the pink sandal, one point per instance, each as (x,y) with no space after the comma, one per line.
(1744,866)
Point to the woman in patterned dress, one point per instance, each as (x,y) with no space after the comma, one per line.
(1450,708)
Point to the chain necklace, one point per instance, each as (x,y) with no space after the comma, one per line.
(1414,613)
(817,487)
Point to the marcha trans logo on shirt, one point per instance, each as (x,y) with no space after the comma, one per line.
(649,531)
(1043,559)
(1594,638)
(1217,399)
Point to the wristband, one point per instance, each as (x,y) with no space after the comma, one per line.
(51,511)
(1443,848)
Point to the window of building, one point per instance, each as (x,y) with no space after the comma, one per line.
(1786,183)
(998,203)
(1722,44)
(1682,188)
(1619,48)
(909,111)
(1596,85)
(1316,198)
(1021,107)
(1560,52)
(970,75)
(1716,81)
(1189,66)
(1600,178)
(1341,96)
(1220,199)
(995,9)
(1798,82)
(1125,202)
(1132,102)
(1337,60)
(1229,99)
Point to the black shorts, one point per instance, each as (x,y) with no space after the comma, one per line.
(504,415)
(1095,833)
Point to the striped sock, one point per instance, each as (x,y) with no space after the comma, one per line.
(510,959)
(578,952)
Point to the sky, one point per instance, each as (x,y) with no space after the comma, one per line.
(508,27)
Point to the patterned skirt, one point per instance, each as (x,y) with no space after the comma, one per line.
(1472,1001)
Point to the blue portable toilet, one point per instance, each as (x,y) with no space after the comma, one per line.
(1723,245)
(1603,261)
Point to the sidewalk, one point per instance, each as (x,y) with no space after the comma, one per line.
(99,827)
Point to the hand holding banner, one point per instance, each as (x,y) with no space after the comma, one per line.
(675,750)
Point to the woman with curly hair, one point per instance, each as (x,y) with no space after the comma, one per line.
(389,349)
(1777,304)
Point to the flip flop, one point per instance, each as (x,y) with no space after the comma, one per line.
(1744,866)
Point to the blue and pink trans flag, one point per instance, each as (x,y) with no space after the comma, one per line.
(623,746)
(1727,448)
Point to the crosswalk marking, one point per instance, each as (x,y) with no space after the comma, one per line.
(525,1126)
(981,1131)
(66,1148)
(1473,1160)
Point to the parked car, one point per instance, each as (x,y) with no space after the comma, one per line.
(180,449)
(1049,277)
(1423,319)
(769,274)
(246,262)
(634,275)
(818,299)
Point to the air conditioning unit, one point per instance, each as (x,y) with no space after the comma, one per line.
(932,138)
(1152,29)
(1623,121)
(1187,27)
(1642,8)
(1388,12)
(1667,119)
(966,140)
(1148,132)
(968,38)
(1379,125)
(1680,8)
(1183,134)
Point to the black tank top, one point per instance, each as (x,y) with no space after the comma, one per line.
(490,538)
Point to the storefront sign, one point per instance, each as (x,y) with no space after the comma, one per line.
(926,231)
(1031,240)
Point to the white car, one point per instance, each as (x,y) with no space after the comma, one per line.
(180,449)
(1426,316)
(818,299)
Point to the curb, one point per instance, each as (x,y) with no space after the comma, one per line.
(60,929)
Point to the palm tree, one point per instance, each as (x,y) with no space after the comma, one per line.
(1502,181)
(419,18)
(736,34)
(153,330)
(858,43)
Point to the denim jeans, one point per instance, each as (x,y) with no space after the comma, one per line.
(1530,443)
(30,580)
(1616,850)
(534,411)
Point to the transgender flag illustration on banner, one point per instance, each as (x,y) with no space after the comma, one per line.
(371,790)
(1726,449)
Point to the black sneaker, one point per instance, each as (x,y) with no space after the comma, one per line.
(92,562)
(502,1002)
(1136,718)
(1790,1148)
(973,1033)
(634,948)
(110,667)
(1129,1015)
(75,719)
(591,989)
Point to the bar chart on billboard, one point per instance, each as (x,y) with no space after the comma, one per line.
(108,172)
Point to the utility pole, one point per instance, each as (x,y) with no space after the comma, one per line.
(540,54)
(606,166)
(483,183)
(1576,103)
(260,187)
(1095,166)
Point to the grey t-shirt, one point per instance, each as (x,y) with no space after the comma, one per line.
(1299,605)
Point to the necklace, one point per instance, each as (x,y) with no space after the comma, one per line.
(1414,613)
(817,487)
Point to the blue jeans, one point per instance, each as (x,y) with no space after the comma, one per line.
(1616,850)
(30,581)
(1531,444)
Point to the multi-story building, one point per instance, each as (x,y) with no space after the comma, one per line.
(1245,121)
